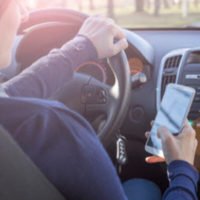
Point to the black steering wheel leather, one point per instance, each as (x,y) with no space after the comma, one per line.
(64,24)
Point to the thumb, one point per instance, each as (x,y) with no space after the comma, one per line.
(166,137)
(120,45)
(154,159)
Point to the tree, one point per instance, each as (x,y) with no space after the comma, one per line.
(196,3)
(185,6)
(91,5)
(110,5)
(79,2)
(139,5)
(64,3)
(157,4)
(166,3)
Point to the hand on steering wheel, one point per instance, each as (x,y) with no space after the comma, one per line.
(62,25)
(103,32)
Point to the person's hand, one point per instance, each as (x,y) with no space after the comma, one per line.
(107,37)
(181,147)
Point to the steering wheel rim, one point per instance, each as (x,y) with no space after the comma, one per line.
(52,15)
(118,63)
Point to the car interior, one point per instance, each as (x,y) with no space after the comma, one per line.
(119,96)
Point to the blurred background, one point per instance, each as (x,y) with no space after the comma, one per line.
(134,13)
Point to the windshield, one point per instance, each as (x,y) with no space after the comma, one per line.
(135,13)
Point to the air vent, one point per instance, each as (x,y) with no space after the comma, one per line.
(170,71)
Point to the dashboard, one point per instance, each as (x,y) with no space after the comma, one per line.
(102,72)
(136,65)
(99,70)
(162,55)
(175,60)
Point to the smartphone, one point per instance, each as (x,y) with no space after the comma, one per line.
(172,114)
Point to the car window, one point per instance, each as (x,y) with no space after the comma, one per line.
(135,13)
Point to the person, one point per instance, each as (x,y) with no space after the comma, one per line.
(179,154)
(181,161)
(58,140)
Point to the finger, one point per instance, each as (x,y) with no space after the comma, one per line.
(89,19)
(105,22)
(167,139)
(120,45)
(163,133)
(99,16)
(110,21)
(186,123)
(195,144)
(152,122)
(147,134)
(188,130)
(154,159)
(118,32)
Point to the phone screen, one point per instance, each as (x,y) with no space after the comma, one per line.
(172,114)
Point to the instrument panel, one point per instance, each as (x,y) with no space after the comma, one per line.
(136,65)
(102,72)
(96,69)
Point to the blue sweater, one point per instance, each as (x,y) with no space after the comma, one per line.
(183,180)
(49,73)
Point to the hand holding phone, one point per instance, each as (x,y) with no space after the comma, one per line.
(181,147)
(173,111)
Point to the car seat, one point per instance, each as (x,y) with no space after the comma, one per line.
(20,179)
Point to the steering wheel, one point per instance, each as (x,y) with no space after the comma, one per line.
(108,104)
